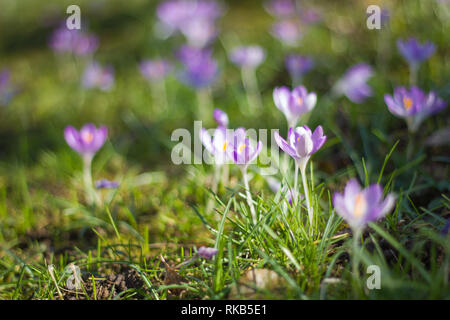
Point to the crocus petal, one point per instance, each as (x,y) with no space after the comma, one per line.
(285,146)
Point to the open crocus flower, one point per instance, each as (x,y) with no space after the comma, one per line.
(294,103)
(414,52)
(413,105)
(155,70)
(354,83)
(241,151)
(248,56)
(96,76)
(216,146)
(359,206)
(88,140)
(221,117)
(301,144)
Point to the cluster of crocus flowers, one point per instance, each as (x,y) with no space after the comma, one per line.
(301,144)
(155,70)
(196,20)
(353,83)
(298,66)
(294,103)
(359,206)
(232,145)
(414,105)
(97,76)
(86,142)
(74,41)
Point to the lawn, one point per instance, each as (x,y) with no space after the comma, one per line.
(356,205)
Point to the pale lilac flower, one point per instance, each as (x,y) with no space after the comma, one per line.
(96,76)
(195,19)
(200,69)
(414,52)
(294,103)
(217,146)
(207,253)
(88,140)
(414,105)
(354,83)
(298,65)
(287,31)
(310,16)
(106,184)
(281,8)
(7,91)
(359,206)
(301,144)
(221,117)
(248,56)
(155,70)
(240,150)
(73,41)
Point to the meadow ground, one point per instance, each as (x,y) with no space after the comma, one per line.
(141,240)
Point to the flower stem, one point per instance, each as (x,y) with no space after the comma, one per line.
(355,257)
(251,87)
(204,103)
(249,195)
(91,195)
(413,73)
(305,189)
(295,193)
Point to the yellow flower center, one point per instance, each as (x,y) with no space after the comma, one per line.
(225,145)
(299,100)
(87,137)
(407,103)
(360,205)
(242,147)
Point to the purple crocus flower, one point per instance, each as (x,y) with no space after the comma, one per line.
(294,103)
(241,151)
(281,8)
(354,83)
(96,76)
(216,146)
(106,184)
(221,117)
(200,69)
(301,144)
(414,52)
(7,91)
(359,206)
(287,31)
(248,56)
(155,70)
(207,253)
(88,140)
(414,105)
(298,65)
(73,41)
